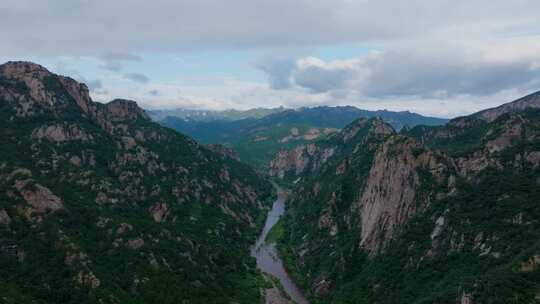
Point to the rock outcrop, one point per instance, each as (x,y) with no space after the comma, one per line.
(223,150)
(303,158)
(39,198)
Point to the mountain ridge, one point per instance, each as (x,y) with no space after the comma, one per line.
(258,140)
(100,204)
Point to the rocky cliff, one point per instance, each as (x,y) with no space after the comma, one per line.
(431,215)
(289,164)
(100,205)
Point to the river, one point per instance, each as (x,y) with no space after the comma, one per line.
(268,259)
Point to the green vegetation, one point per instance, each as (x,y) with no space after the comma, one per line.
(276,233)
(257,150)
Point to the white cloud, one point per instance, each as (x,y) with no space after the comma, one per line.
(137,77)
(418,69)
(232,93)
(77,27)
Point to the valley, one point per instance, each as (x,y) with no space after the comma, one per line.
(269,152)
(98,203)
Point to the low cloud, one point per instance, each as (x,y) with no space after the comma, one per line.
(116,61)
(319,77)
(278,70)
(152,93)
(136,77)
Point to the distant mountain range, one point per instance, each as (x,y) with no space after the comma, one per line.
(258,139)
(208,115)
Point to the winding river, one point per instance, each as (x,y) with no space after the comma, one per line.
(267,256)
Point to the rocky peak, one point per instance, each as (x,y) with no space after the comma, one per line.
(379,127)
(122,110)
(375,127)
(22,70)
(29,86)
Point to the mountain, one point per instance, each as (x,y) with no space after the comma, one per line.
(440,214)
(98,204)
(208,115)
(258,140)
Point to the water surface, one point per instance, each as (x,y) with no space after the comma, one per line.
(267,257)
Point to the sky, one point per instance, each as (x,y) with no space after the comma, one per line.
(435,57)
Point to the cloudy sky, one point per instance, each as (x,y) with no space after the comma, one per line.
(436,57)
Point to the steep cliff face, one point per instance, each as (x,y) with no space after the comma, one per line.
(301,159)
(99,204)
(392,194)
(431,215)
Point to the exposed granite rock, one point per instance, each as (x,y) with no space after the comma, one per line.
(321,287)
(87,278)
(301,159)
(533,158)
(40,198)
(135,243)
(512,132)
(61,133)
(4,218)
(159,212)
(124,227)
(80,93)
(311,134)
(225,151)
(531,264)
(466,298)
(437,236)
(391,194)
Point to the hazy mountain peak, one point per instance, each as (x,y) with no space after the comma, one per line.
(529,101)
